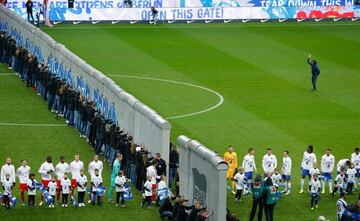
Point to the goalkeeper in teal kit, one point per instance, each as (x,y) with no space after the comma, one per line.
(115,170)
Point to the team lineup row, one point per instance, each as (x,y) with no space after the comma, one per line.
(309,167)
(55,180)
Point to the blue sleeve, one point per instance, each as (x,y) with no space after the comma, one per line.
(308,61)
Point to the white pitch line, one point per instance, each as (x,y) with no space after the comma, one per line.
(6,74)
(32,125)
(220,102)
(235,25)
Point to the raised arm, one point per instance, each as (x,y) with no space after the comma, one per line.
(308,59)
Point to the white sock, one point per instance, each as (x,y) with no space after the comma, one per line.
(302,183)
(323,184)
(330,186)
(288,186)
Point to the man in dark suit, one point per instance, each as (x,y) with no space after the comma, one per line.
(315,71)
(160,166)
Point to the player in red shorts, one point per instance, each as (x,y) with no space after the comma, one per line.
(46,169)
(75,167)
(23,173)
(60,169)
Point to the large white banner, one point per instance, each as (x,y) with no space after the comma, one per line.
(205,13)
(91,4)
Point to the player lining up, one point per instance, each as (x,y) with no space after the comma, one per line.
(46,169)
(307,163)
(23,173)
(230,158)
(249,168)
(286,172)
(60,169)
(269,162)
(327,168)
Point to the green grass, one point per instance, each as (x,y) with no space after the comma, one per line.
(260,70)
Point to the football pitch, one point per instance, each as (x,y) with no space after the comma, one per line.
(246,85)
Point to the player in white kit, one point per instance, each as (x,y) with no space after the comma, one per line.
(60,169)
(23,173)
(355,159)
(327,168)
(307,163)
(286,172)
(249,167)
(269,162)
(45,170)
(75,167)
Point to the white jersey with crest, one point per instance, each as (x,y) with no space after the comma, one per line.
(355,159)
(52,188)
(249,163)
(351,173)
(23,173)
(82,180)
(308,160)
(65,186)
(269,163)
(120,182)
(315,186)
(276,178)
(75,168)
(327,163)
(286,167)
(342,165)
(8,186)
(61,169)
(314,171)
(240,181)
(340,180)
